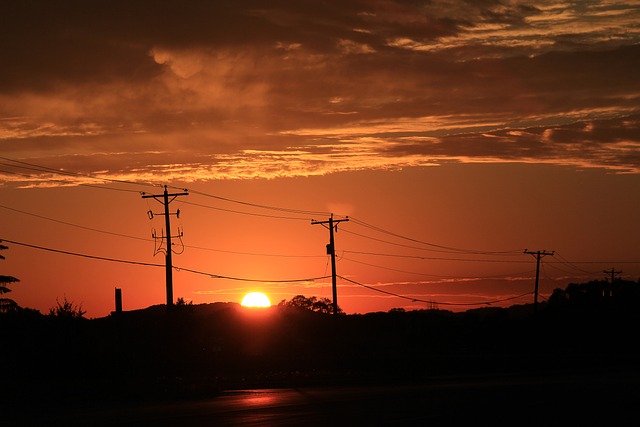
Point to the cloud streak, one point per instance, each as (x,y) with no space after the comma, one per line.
(199,91)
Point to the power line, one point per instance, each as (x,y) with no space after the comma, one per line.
(440,248)
(390,243)
(242,279)
(70,224)
(245,213)
(74,225)
(596,262)
(433,258)
(564,261)
(430,246)
(146,264)
(67,183)
(430,249)
(572,265)
(447,248)
(252,253)
(392,269)
(256,205)
(81,255)
(572,273)
(218,276)
(40,168)
(431,301)
(495,276)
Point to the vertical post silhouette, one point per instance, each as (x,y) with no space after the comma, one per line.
(539,255)
(613,273)
(332,224)
(118,300)
(165,201)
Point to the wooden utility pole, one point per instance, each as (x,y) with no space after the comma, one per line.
(332,224)
(613,273)
(539,255)
(164,200)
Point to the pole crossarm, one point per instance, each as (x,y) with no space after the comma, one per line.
(612,272)
(332,225)
(160,197)
(165,199)
(330,221)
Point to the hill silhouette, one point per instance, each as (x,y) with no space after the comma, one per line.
(195,350)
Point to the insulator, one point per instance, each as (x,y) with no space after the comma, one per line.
(150,214)
(178,213)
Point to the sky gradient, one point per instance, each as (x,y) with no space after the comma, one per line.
(455,135)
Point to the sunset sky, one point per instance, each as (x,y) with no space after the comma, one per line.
(453,134)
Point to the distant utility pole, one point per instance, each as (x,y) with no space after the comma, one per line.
(539,255)
(165,199)
(613,273)
(332,224)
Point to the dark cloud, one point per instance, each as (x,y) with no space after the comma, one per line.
(43,42)
(611,143)
(231,78)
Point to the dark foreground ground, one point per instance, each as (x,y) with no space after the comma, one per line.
(608,397)
(222,365)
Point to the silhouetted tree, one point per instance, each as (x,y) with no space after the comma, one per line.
(318,305)
(6,304)
(67,310)
(558,298)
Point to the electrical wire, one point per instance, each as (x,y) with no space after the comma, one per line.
(74,225)
(40,168)
(392,269)
(253,253)
(431,301)
(242,212)
(572,264)
(495,276)
(390,243)
(555,266)
(430,249)
(429,246)
(153,240)
(256,205)
(147,264)
(242,279)
(435,258)
(212,275)
(442,247)
(63,182)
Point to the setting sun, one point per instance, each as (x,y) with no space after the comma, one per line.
(256,299)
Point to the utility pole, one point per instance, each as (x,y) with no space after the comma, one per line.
(613,273)
(165,199)
(331,250)
(539,255)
